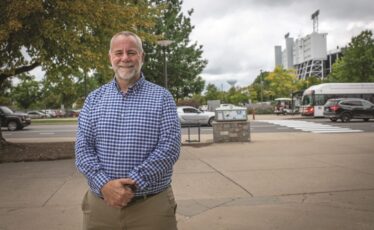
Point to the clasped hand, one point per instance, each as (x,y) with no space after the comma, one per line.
(116,193)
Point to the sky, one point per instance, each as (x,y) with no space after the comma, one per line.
(238,36)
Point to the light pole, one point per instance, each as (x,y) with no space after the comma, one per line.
(164,44)
(85,85)
(261,82)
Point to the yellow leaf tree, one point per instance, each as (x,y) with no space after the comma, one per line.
(282,82)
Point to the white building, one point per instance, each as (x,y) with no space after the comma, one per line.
(307,55)
(287,55)
(278,55)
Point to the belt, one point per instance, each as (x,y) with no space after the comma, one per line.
(141,198)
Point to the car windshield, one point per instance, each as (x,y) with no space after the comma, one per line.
(6,110)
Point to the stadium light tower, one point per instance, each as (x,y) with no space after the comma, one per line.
(315,21)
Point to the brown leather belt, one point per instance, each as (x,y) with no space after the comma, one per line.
(141,198)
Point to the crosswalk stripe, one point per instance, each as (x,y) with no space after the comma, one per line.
(308,126)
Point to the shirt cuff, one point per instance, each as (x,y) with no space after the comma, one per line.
(142,185)
(98,182)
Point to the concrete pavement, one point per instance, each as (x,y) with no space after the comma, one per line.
(280,181)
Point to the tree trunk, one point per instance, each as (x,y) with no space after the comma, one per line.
(2,139)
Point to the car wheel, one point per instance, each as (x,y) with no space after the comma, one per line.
(366,119)
(333,119)
(345,117)
(12,126)
(210,121)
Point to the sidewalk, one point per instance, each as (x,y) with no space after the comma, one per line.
(320,183)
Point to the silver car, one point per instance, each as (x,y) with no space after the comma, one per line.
(36,114)
(189,115)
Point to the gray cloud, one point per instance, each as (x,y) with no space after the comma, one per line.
(239,36)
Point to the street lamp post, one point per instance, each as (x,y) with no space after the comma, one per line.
(85,85)
(261,82)
(164,44)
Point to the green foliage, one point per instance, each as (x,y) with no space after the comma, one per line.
(212,93)
(236,97)
(59,90)
(27,92)
(5,93)
(184,59)
(304,84)
(259,88)
(199,98)
(357,63)
(65,36)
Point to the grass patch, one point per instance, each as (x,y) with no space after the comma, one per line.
(52,121)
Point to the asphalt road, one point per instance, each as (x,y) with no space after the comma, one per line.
(257,126)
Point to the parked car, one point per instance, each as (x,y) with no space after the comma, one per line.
(13,121)
(72,113)
(189,115)
(346,109)
(36,114)
(50,113)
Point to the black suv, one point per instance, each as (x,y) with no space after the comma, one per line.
(14,121)
(346,109)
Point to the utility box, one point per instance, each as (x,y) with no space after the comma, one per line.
(231,124)
(231,113)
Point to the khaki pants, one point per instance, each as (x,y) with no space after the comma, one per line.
(153,213)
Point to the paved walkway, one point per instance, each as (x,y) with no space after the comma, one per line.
(287,181)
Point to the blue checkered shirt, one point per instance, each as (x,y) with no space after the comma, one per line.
(128,135)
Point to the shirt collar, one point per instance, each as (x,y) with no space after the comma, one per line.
(134,88)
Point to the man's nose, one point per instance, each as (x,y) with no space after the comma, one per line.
(124,57)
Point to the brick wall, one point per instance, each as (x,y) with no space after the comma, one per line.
(231,131)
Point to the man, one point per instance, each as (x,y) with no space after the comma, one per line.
(128,140)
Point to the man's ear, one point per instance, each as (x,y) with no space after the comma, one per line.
(143,57)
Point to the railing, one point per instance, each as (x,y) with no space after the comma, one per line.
(189,133)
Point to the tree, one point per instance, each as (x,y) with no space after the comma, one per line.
(303,84)
(184,61)
(236,97)
(60,90)
(259,88)
(5,93)
(65,36)
(251,93)
(282,82)
(212,92)
(27,92)
(357,64)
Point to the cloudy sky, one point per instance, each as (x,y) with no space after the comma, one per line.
(239,36)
